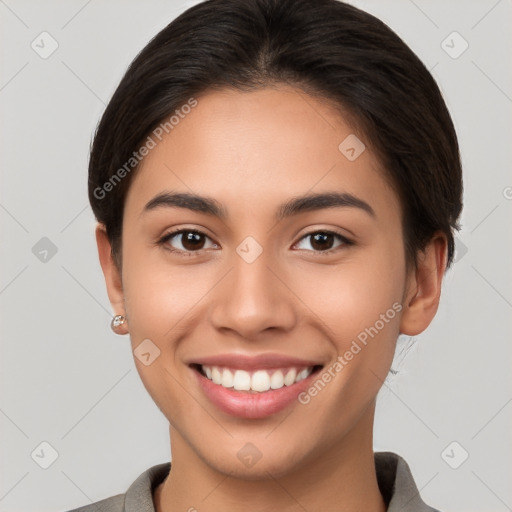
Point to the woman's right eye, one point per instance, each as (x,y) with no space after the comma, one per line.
(188,241)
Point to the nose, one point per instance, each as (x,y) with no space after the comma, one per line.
(254,298)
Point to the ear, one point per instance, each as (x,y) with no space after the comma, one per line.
(112,274)
(423,289)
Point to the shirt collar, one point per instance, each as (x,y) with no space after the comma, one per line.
(394,477)
(397,485)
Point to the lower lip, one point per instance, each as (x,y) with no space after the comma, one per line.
(252,405)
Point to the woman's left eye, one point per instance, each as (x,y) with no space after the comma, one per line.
(322,241)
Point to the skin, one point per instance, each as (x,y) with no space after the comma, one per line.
(252,151)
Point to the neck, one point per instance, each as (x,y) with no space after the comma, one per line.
(342,479)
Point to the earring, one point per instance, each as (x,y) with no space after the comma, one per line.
(117,322)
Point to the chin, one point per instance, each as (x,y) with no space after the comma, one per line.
(250,463)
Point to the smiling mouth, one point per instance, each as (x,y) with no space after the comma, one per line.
(256,381)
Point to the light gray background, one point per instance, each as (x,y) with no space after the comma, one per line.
(67,380)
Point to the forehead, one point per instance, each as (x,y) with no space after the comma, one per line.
(260,147)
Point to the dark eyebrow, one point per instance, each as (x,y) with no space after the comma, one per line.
(293,206)
(318,201)
(190,201)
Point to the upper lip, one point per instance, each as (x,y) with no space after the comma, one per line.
(256,362)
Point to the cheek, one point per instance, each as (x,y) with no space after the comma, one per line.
(160,300)
(158,297)
(360,305)
(352,296)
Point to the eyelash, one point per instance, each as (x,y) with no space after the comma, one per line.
(163,241)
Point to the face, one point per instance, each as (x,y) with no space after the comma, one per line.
(237,290)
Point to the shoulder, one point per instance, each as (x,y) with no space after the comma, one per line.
(138,497)
(112,504)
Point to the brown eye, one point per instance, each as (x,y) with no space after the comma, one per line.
(323,241)
(187,240)
(192,241)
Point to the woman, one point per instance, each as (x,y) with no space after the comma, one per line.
(276,184)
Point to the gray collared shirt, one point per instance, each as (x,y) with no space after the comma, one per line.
(393,475)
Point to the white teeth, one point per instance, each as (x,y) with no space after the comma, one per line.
(260,380)
(216,375)
(277,380)
(242,381)
(302,375)
(227,378)
(290,377)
